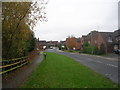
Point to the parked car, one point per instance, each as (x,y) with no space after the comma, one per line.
(51,47)
(117,51)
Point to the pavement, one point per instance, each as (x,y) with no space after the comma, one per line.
(105,65)
(16,78)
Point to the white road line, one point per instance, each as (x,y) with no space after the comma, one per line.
(89,59)
(99,61)
(72,53)
(112,59)
(94,60)
(112,65)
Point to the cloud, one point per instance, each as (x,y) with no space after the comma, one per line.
(77,17)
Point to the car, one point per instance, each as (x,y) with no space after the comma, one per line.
(51,47)
(117,51)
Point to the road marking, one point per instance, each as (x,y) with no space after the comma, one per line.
(94,60)
(112,65)
(90,59)
(99,61)
(112,59)
(72,53)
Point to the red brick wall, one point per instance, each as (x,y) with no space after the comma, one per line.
(98,39)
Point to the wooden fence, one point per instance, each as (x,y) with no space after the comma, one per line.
(9,65)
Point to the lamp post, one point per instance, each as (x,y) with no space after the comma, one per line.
(91,42)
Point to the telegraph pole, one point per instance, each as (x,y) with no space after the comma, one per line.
(91,42)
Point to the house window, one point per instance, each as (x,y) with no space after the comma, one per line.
(109,39)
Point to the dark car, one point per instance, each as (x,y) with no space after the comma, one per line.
(117,51)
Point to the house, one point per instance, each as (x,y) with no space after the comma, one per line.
(37,45)
(42,44)
(83,39)
(117,39)
(51,44)
(78,44)
(63,43)
(97,38)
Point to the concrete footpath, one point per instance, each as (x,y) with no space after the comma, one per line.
(16,78)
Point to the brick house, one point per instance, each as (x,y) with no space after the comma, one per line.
(37,45)
(52,43)
(83,39)
(78,44)
(63,43)
(97,38)
(42,43)
(117,39)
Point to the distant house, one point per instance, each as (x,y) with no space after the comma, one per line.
(78,44)
(63,43)
(37,45)
(117,39)
(42,44)
(52,43)
(83,39)
(97,38)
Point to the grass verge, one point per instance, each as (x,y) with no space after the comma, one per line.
(58,71)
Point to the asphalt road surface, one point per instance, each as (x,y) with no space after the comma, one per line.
(105,66)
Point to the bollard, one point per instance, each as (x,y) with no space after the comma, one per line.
(44,55)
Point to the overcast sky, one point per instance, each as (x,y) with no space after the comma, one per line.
(77,17)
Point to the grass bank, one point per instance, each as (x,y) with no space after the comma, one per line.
(59,71)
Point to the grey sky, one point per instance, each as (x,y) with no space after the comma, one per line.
(77,17)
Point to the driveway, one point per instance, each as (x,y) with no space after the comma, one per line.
(103,65)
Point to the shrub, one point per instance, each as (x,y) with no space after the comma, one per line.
(102,49)
(90,49)
(95,50)
(87,48)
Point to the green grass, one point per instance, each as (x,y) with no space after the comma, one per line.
(59,71)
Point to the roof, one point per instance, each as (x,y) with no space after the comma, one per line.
(42,41)
(78,39)
(117,33)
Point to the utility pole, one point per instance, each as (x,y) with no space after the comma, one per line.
(91,42)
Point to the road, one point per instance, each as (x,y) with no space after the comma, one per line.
(105,66)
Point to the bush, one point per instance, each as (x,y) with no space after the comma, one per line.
(90,49)
(95,50)
(102,49)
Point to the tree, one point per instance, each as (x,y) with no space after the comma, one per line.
(102,49)
(71,42)
(87,48)
(95,49)
(18,21)
(59,46)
